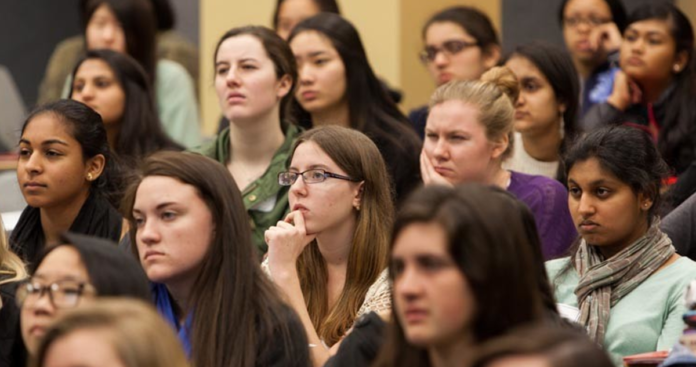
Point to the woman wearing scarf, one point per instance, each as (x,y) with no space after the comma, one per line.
(66,172)
(624,275)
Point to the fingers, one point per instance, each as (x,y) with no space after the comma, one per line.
(425,168)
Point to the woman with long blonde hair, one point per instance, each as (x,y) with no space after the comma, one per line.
(329,255)
(12,271)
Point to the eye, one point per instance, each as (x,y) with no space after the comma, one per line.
(602,192)
(168,215)
(431,264)
(317,175)
(222,70)
(102,83)
(431,136)
(139,221)
(631,37)
(53,153)
(77,87)
(320,62)
(397,267)
(248,67)
(530,87)
(655,41)
(24,152)
(574,191)
(458,138)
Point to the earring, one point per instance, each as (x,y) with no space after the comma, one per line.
(676,68)
(89,177)
(357,207)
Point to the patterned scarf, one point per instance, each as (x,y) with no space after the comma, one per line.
(603,283)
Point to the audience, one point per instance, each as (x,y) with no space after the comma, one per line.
(624,275)
(545,110)
(193,240)
(116,87)
(255,76)
(78,270)
(337,86)
(12,271)
(443,302)
(329,255)
(592,32)
(110,332)
(460,43)
(67,176)
(129,27)
(467,138)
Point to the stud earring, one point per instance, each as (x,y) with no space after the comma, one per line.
(676,68)
(89,177)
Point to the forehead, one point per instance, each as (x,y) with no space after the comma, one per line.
(522,67)
(587,7)
(48,126)
(444,31)
(590,170)
(454,115)
(310,42)
(104,11)
(305,8)
(421,238)
(651,25)
(309,154)
(157,190)
(94,67)
(61,263)
(241,47)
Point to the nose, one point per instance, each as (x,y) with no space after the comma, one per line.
(408,285)
(32,164)
(149,233)
(520,99)
(86,94)
(232,77)
(586,206)
(299,187)
(441,59)
(637,46)
(306,75)
(42,304)
(441,151)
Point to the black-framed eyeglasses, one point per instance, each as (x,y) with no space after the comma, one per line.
(591,21)
(450,48)
(310,176)
(62,294)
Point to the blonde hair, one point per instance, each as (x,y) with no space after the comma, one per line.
(10,264)
(359,157)
(494,95)
(138,335)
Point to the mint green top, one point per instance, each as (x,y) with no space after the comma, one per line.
(265,200)
(646,320)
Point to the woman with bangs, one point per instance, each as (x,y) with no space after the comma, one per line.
(329,255)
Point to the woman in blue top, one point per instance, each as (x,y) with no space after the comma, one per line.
(624,274)
(193,239)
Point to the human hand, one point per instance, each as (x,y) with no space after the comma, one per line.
(428,173)
(286,241)
(605,38)
(625,93)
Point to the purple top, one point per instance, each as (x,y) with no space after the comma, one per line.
(548,201)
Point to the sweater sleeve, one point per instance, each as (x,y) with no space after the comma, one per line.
(674,324)
(176,103)
(601,114)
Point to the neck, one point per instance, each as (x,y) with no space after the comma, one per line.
(544,146)
(338,115)
(584,68)
(652,91)
(112,135)
(58,219)
(335,244)
(255,142)
(458,353)
(498,176)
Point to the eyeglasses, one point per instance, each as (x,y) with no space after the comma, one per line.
(309,176)
(450,48)
(62,294)
(591,21)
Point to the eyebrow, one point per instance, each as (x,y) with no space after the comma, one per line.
(314,166)
(67,277)
(601,181)
(46,142)
(525,79)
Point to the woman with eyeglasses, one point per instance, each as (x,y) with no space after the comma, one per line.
(592,32)
(460,43)
(68,275)
(337,86)
(329,255)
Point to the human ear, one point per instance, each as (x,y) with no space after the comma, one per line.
(500,146)
(284,85)
(94,167)
(357,195)
(491,56)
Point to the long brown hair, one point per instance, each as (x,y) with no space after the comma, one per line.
(236,310)
(488,241)
(358,156)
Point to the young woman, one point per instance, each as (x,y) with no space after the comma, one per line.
(116,87)
(592,33)
(337,86)
(329,255)
(469,135)
(66,276)
(255,76)
(624,275)
(129,27)
(111,332)
(12,271)
(193,240)
(288,13)
(542,346)
(654,89)
(545,110)
(443,302)
(67,175)
(459,43)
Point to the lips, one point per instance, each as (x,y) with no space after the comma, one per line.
(443,170)
(37,330)
(414,315)
(150,254)
(634,61)
(519,115)
(33,186)
(235,97)
(588,226)
(308,95)
(583,45)
(444,78)
(300,207)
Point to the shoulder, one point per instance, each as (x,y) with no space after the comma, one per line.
(171,75)
(378,296)
(216,148)
(554,267)
(534,189)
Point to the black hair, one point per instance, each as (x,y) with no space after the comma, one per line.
(87,128)
(678,128)
(166,18)
(472,21)
(616,7)
(112,271)
(140,130)
(325,6)
(371,110)
(283,60)
(139,24)
(492,254)
(557,66)
(627,153)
